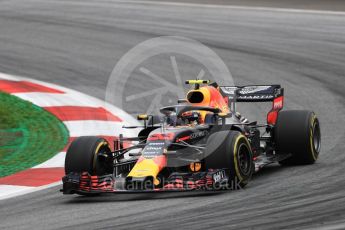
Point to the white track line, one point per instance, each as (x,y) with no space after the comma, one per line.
(93,128)
(56,99)
(9,191)
(8,77)
(271,9)
(57,161)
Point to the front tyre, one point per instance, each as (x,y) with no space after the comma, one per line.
(230,150)
(297,132)
(84,156)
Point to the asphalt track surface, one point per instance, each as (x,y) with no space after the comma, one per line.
(77,43)
(332,5)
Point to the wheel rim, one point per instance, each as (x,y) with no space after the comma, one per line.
(316,138)
(244,159)
(102,166)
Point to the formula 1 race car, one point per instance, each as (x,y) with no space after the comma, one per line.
(201,143)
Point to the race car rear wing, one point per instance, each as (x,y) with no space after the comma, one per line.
(252,93)
(256,93)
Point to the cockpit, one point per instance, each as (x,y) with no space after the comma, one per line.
(180,115)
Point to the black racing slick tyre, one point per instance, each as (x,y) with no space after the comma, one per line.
(230,150)
(83,156)
(297,132)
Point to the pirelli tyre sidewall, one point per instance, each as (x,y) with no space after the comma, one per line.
(231,150)
(82,156)
(297,132)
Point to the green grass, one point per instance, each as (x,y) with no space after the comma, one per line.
(29,135)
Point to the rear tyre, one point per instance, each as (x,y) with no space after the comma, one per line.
(83,156)
(297,132)
(230,150)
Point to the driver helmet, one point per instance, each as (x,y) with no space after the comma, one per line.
(191,117)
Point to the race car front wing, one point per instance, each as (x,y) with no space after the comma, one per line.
(84,183)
